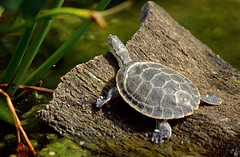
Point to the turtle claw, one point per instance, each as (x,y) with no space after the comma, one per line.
(162,133)
(103,100)
(156,136)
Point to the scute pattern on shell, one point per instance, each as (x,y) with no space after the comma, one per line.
(157,91)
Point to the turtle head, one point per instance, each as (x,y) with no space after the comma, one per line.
(118,49)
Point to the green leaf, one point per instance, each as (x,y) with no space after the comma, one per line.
(11,4)
(5,114)
(18,66)
(56,56)
(18,55)
(30,8)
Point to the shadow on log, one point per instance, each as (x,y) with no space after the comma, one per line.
(118,130)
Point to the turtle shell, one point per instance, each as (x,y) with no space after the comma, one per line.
(157,91)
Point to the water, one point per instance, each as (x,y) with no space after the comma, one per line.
(215,22)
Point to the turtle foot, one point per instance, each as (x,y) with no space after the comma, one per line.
(103,100)
(156,136)
(162,133)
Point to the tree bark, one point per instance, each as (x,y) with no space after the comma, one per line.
(118,130)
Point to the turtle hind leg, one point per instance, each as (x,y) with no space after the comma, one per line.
(113,92)
(162,133)
(211,99)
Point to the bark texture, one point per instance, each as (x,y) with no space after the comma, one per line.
(118,130)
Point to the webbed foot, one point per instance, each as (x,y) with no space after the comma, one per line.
(162,133)
(156,136)
(103,100)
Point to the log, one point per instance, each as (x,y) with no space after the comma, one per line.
(118,130)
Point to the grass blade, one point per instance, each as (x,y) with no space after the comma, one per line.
(53,59)
(30,54)
(18,55)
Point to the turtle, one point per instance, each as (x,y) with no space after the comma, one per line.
(153,90)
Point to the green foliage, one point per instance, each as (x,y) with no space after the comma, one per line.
(11,4)
(30,8)
(63,49)
(5,115)
(22,59)
(27,47)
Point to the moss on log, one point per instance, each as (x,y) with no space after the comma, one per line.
(118,130)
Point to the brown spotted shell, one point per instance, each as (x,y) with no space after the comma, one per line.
(157,91)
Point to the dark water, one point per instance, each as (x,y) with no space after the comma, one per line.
(215,22)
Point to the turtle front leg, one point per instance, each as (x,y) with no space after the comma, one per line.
(113,92)
(162,133)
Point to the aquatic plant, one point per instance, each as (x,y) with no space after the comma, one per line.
(28,15)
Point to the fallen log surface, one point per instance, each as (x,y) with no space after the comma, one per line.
(118,130)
